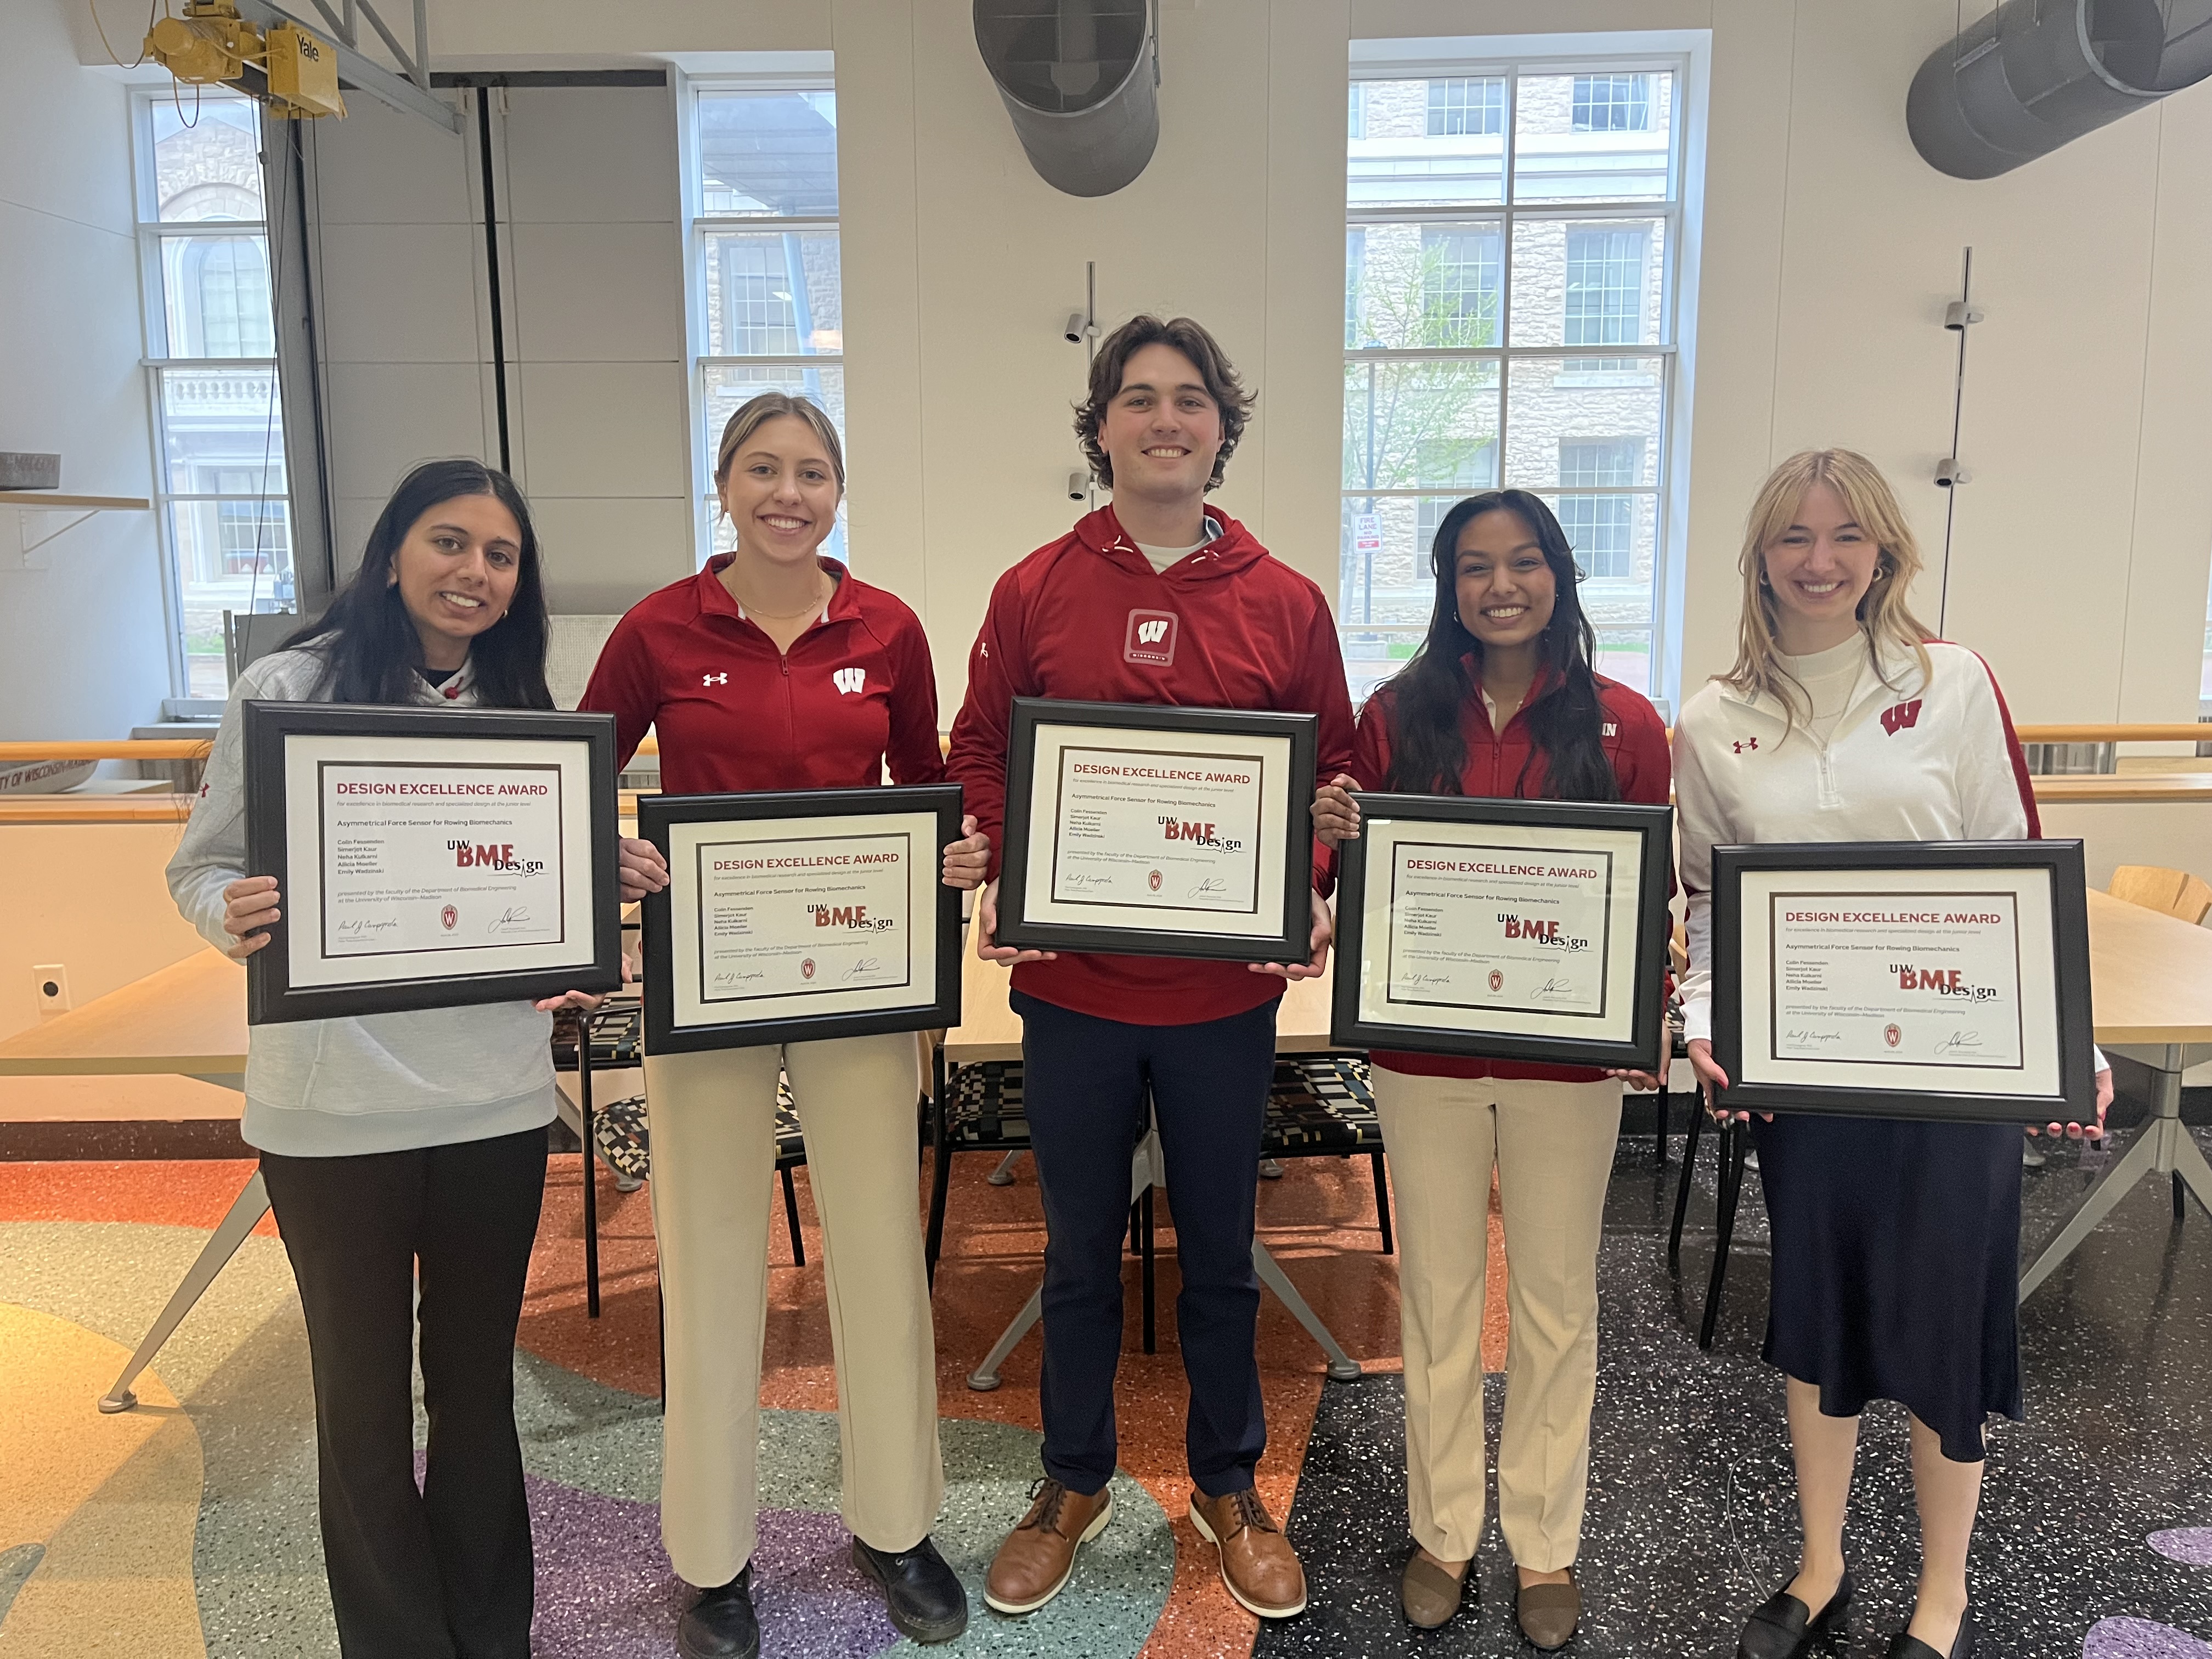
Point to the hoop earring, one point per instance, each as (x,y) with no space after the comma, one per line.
(1762,582)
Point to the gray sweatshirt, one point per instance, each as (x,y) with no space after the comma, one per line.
(383,1083)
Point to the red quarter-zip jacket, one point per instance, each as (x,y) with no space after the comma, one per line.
(1087,619)
(734,713)
(1635,741)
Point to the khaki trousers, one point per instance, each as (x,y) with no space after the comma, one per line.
(1552,1145)
(713,1119)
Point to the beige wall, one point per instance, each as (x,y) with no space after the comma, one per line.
(92,897)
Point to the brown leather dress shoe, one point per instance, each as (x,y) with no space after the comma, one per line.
(1033,1565)
(1550,1614)
(1257,1562)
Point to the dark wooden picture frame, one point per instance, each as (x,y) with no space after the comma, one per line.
(2068,946)
(412,733)
(1293,942)
(1643,1051)
(658,814)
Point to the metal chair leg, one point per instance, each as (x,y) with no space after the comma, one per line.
(1682,1187)
(1731,1152)
(2180,1194)
(590,1159)
(1660,1111)
(1382,1203)
(1004,1175)
(791,1217)
(1145,1207)
(940,1173)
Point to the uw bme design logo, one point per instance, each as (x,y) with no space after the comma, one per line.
(1150,638)
(850,681)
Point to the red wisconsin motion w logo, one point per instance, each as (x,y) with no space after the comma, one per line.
(1898,716)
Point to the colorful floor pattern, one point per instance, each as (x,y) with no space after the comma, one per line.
(187,1528)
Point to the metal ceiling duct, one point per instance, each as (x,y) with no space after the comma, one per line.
(2033,75)
(1081,80)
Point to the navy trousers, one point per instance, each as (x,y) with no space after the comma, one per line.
(1085,1082)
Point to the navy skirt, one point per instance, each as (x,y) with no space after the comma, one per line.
(1897,1266)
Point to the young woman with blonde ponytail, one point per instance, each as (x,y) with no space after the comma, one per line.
(1896,1243)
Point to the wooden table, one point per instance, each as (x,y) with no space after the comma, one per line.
(188,1019)
(2151,977)
(990,1030)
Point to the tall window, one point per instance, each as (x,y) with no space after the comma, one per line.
(768,313)
(1504,222)
(210,347)
(1602,529)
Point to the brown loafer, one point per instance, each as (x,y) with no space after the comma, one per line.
(1550,1614)
(1257,1562)
(1033,1565)
(1428,1594)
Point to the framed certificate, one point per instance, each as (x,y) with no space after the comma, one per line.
(1140,830)
(429,857)
(801,914)
(1904,979)
(1505,929)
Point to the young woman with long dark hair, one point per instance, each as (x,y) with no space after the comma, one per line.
(1500,699)
(410,1147)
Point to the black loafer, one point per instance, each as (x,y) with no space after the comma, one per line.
(1782,1627)
(923,1596)
(720,1624)
(1902,1646)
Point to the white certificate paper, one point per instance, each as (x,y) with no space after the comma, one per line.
(780,918)
(1922,981)
(1166,831)
(478,862)
(1520,931)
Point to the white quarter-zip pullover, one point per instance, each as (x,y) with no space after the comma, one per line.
(1910,759)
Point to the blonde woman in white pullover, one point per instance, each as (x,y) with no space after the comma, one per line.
(1896,1243)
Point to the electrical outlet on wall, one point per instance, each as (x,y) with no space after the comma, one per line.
(50,984)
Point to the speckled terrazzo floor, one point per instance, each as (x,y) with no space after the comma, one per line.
(1691,1520)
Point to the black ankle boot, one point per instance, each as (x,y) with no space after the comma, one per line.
(923,1596)
(1782,1627)
(720,1624)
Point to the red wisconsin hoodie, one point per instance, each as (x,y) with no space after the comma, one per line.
(733,712)
(1087,619)
(1635,740)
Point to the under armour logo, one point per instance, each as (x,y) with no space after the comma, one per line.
(850,681)
(1150,638)
(1898,716)
(713,679)
(1747,743)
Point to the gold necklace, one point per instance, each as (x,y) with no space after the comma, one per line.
(808,609)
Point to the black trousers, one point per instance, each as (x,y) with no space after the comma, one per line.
(1085,1083)
(443,1573)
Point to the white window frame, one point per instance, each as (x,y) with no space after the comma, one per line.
(698,224)
(1686,55)
(152,235)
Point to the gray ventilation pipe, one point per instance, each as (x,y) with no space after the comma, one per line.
(1081,80)
(2037,74)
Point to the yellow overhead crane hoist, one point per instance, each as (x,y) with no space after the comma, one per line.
(211,44)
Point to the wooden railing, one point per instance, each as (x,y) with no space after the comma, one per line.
(149,807)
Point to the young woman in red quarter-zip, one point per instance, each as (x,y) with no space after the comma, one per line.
(1500,701)
(776,668)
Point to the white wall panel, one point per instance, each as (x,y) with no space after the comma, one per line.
(379,166)
(603,556)
(386,418)
(597,293)
(582,156)
(400,294)
(614,430)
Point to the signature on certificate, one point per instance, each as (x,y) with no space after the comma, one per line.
(864,965)
(1415,977)
(513,920)
(1079,880)
(1555,988)
(1810,1039)
(733,976)
(1206,889)
(1960,1043)
(365,928)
